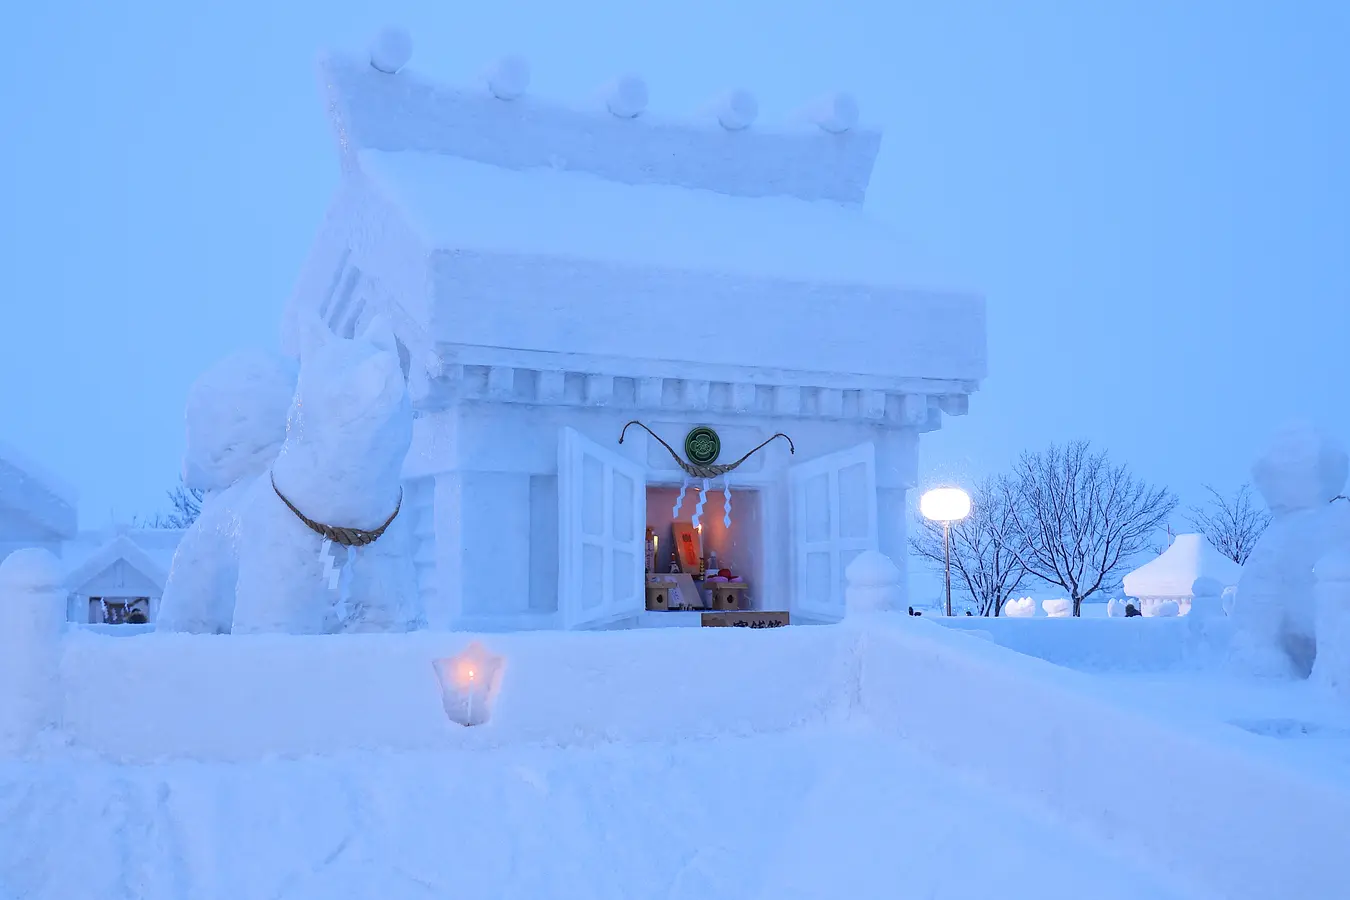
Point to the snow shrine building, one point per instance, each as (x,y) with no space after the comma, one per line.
(556,273)
(1173,573)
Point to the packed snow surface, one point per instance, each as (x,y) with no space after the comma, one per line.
(811,814)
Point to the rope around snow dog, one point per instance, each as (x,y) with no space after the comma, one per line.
(347,537)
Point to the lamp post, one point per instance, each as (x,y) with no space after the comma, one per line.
(946,505)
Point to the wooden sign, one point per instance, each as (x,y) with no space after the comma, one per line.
(745,619)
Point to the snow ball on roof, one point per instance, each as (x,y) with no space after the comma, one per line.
(508,77)
(836,112)
(737,109)
(626,96)
(391,49)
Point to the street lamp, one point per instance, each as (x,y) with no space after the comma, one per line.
(946,505)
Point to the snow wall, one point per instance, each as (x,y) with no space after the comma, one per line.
(1136,644)
(1204,803)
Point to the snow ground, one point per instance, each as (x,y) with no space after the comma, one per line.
(1298,722)
(839,812)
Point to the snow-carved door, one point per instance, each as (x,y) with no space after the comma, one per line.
(602,515)
(834,518)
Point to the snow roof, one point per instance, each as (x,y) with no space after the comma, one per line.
(1176,569)
(460,204)
(119,548)
(26,487)
(376,110)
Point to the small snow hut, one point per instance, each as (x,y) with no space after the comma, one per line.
(556,273)
(1173,573)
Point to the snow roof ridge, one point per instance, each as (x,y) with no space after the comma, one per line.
(374,103)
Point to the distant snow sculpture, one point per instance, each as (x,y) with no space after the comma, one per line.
(1273,608)
(835,112)
(1166,609)
(346,439)
(236,424)
(1115,608)
(391,49)
(1023,608)
(508,78)
(872,584)
(1058,608)
(34,604)
(736,110)
(626,96)
(1332,667)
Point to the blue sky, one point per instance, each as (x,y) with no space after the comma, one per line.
(1155,197)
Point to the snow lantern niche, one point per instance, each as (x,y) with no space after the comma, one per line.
(469,683)
(390,50)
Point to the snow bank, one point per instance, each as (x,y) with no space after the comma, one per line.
(1206,804)
(233,697)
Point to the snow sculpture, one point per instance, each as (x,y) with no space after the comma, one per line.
(1165,609)
(835,113)
(1332,667)
(1273,608)
(872,584)
(736,109)
(1058,608)
(1022,608)
(1206,600)
(390,50)
(336,479)
(236,424)
(1115,608)
(508,78)
(470,681)
(34,600)
(626,97)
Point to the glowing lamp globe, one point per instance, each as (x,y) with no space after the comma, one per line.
(945,505)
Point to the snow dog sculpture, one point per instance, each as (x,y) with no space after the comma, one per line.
(1273,609)
(266,561)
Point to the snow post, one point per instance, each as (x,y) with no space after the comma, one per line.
(30,647)
(1332,595)
(873,585)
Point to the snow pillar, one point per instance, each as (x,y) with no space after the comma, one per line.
(872,585)
(30,647)
(1332,595)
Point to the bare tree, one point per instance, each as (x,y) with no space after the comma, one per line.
(983,561)
(186,505)
(1233,524)
(1079,519)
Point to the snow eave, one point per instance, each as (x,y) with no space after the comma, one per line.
(37,493)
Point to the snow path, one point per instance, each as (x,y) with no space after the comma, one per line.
(810,814)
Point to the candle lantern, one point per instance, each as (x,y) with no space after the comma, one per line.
(469,683)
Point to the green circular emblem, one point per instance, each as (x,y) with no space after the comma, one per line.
(702,446)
